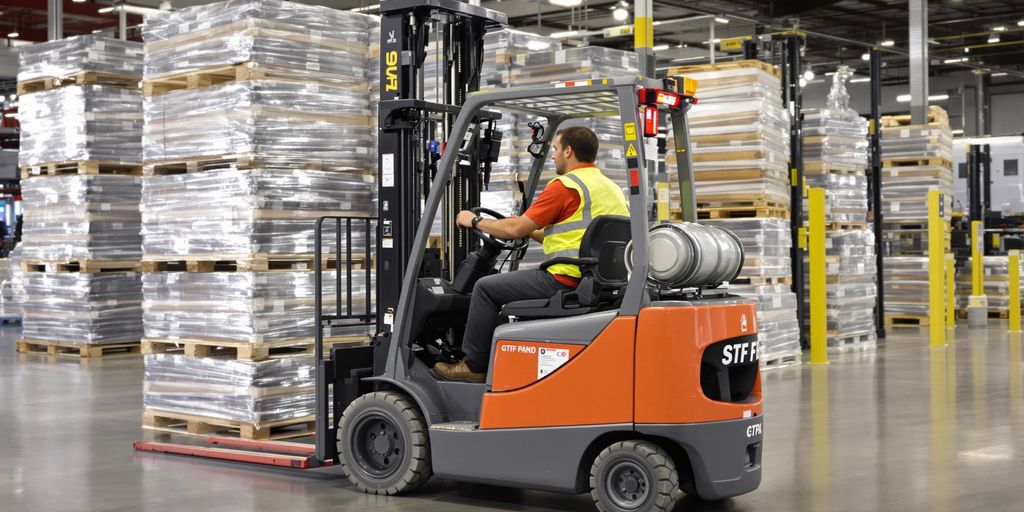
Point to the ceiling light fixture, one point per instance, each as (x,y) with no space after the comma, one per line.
(999,74)
(903,98)
(566,3)
(620,14)
(803,82)
(809,74)
(888,42)
(569,33)
(368,8)
(13,35)
(866,56)
(660,47)
(994,38)
(955,61)
(938,97)
(1000,28)
(1020,23)
(860,80)
(723,21)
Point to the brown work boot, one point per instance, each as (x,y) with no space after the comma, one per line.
(459,371)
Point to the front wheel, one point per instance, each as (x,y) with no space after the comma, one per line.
(383,446)
(634,476)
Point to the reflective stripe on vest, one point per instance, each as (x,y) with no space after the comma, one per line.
(598,196)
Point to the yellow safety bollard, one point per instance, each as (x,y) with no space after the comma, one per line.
(950,290)
(1014,262)
(936,268)
(977,259)
(816,270)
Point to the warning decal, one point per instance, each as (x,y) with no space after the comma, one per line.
(631,150)
(629,130)
(548,360)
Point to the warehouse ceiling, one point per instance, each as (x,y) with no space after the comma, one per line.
(980,33)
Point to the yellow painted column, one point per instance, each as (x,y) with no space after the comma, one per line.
(936,269)
(664,195)
(977,259)
(950,290)
(1014,274)
(816,271)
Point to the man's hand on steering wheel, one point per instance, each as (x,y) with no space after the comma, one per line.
(466,217)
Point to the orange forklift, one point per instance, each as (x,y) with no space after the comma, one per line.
(640,386)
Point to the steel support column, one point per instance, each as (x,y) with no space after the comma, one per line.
(55,20)
(983,124)
(711,39)
(875,186)
(791,98)
(918,29)
(643,35)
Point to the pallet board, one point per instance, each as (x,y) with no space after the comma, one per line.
(239,162)
(224,74)
(1002,314)
(722,66)
(53,348)
(858,342)
(245,263)
(762,281)
(244,351)
(776,362)
(823,168)
(83,167)
(917,162)
(720,201)
(908,320)
(80,266)
(79,78)
(845,226)
(188,424)
(753,212)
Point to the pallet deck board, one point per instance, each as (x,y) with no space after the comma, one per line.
(246,263)
(722,66)
(244,161)
(775,362)
(225,74)
(32,346)
(908,320)
(78,78)
(80,266)
(244,351)
(758,212)
(917,162)
(80,167)
(193,425)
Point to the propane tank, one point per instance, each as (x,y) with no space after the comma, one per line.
(687,255)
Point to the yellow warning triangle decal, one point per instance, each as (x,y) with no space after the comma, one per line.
(631,151)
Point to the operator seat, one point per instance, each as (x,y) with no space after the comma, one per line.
(602,265)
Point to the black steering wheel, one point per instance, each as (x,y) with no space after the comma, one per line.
(497,243)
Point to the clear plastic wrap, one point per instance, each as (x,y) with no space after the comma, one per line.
(63,57)
(251,392)
(81,122)
(906,285)
(766,245)
(586,62)
(778,330)
(266,211)
(250,307)
(851,290)
(836,137)
(273,118)
(12,285)
(296,40)
(996,279)
(83,308)
(94,217)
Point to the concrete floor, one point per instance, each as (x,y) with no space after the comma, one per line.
(903,428)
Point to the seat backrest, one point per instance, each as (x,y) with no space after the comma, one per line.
(606,239)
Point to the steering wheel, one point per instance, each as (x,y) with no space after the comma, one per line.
(497,243)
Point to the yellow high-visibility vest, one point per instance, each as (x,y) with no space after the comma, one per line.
(599,195)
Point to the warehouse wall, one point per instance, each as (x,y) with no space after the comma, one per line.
(1007,101)
(8,62)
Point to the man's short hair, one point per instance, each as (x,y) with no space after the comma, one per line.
(582,140)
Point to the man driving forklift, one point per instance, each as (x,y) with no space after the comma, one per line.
(558,220)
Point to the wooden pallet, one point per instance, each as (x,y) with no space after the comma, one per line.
(823,168)
(224,74)
(53,348)
(244,351)
(243,263)
(855,343)
(240,162)
(188,424)
(845,226)
(726,201)
(722,66)
(753,212)
(10,320)
(80,266)
(79,78)
(992,313)
(83,167)
(907,320)
(937,116)
(781,361)
(762,281)
(917,162)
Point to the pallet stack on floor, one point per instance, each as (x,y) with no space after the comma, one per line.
(835,159)
(80,110)
(997,286)
(12,287)
(915,159)
(257,123)
(740,149)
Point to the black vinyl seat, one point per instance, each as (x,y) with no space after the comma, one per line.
(602,264)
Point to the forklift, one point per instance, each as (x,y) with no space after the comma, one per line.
(627,388)
(641,386)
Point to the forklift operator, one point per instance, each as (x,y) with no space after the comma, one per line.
(558,220)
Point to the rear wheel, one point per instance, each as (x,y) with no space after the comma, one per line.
(634,476)
(383,444)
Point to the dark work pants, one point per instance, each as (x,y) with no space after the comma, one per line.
(490,294)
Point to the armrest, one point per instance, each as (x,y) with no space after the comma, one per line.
(562,260)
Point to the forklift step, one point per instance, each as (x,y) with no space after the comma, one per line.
(456,426)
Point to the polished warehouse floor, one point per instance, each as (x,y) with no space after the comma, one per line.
(902,428)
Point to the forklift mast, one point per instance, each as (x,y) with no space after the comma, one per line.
(413,130)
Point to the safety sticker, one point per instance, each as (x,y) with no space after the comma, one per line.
(631,150)
(629,130)
(548,360)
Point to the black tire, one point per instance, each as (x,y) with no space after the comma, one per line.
(383,444)
(634,476)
